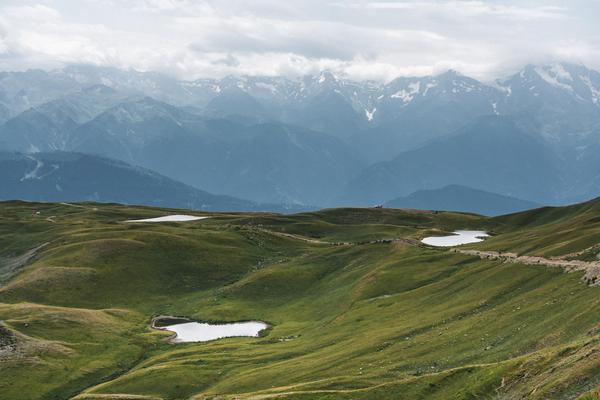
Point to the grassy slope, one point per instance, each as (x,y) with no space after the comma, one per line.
(549,231)
(368,320)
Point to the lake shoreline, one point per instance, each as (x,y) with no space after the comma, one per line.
(164,322)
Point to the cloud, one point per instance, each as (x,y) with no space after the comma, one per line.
(187,7)
(37,13)
(361,39)
(229,61)
(466,8)
(311,39)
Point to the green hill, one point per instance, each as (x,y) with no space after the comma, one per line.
(357,307)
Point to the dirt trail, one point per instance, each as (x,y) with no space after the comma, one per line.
(591,268)
(297,237)
(318,241)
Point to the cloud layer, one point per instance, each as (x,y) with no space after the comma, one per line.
(361,39)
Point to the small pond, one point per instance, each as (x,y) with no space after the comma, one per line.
(458,238)
(192,331)
(169,218)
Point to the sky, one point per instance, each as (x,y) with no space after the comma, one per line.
(359,39)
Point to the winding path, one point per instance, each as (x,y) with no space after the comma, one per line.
(591,268)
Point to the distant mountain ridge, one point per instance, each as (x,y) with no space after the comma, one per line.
(462,198)
(267,162)
(491,154)
(62,176)
(374,102)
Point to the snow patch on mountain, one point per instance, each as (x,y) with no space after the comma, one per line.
(370,114)
(429,86)
(407,95)
(267,86)
(505,89)
(560,72)
(463,86)
(595,92)
(495,108)
(552,76)
(33,174)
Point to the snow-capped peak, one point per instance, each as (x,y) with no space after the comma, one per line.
(556,76)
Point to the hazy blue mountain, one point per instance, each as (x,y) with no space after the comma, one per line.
(560,102)
(160,137)
(582,172)
(491,154)
(127,130)
(412,112)
(20,91)
(254,136)
(154,84)
(543,88)
(331,113)
(273,162)
(62,176)
(4,113)
(324,102)
(83,105)
(235,103)
(49,126)
(462,198)
(287,164)
(33,131)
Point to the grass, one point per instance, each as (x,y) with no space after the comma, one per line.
(351,317)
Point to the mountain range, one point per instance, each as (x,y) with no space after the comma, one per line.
(63,176)
(322,140)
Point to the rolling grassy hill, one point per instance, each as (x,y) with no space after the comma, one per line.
(357,307)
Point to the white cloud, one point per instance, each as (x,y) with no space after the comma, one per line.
(36,13)
(363,39)
(467,8)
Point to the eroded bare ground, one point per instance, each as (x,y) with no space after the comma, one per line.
(9,346)
(9,266)
(591,269)
(16,347)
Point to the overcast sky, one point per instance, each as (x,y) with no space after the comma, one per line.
(359,38)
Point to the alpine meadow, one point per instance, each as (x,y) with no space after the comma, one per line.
(219,200)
